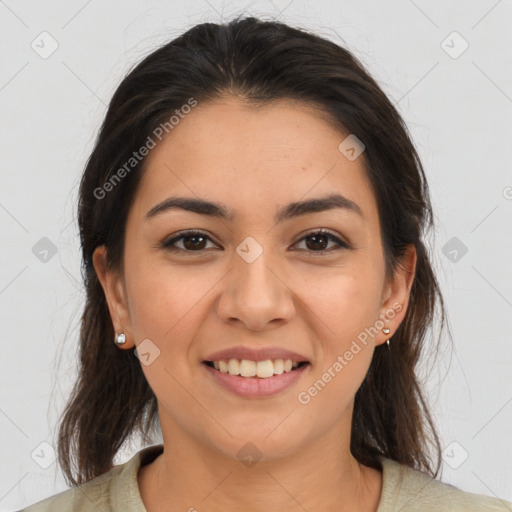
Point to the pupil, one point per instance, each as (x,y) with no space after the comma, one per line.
(192,246)
(316,237)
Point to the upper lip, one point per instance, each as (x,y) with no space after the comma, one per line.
(256,354)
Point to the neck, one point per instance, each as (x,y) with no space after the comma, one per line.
(192,476)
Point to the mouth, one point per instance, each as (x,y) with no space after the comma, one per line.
(256,379)
(256,369)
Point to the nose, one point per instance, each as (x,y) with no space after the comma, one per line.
(256,294)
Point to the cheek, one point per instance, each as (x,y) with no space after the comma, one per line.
(166,307)
(345,302)
(344,306)
(165,300)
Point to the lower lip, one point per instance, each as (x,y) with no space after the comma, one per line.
(255,387)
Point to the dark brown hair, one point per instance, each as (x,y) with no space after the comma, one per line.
(259,61)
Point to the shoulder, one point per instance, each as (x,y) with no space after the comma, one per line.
(409,490)
(116,489)
(92,495)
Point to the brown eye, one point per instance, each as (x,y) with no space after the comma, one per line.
(318,241)
(193,241)
(196,241)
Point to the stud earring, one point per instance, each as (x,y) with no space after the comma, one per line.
(120,339)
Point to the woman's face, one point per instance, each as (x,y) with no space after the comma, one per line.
(252,279)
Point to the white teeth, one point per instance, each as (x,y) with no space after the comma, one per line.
(264,369)
(278,366)
(261,369)
(234,367)
(247,368)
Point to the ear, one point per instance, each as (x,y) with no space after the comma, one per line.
(115,293)
(396,294)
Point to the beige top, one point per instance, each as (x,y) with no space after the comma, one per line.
(403,490)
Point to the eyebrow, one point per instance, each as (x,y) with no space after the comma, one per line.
(292,210)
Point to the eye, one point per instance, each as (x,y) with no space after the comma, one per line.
(193,241)
(318,240)
(196,241)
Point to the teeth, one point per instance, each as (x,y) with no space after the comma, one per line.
(262,369)
(234,367)
(247,368)
(278,366)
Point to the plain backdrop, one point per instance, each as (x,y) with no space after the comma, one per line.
(448,67)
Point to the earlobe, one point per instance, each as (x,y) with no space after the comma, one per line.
(398,289)
(113,287)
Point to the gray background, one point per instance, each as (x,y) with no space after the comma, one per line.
(457,104)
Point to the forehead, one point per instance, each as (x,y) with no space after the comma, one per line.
(242,155)
(231,127)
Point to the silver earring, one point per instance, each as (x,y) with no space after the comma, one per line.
(120,339)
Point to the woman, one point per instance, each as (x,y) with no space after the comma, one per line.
(251,221)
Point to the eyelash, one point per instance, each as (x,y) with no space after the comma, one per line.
(168,244)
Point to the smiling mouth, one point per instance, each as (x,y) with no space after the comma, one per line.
(252,369)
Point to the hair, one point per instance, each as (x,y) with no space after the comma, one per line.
(259,62)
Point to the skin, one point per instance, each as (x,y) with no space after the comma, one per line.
(191,304)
